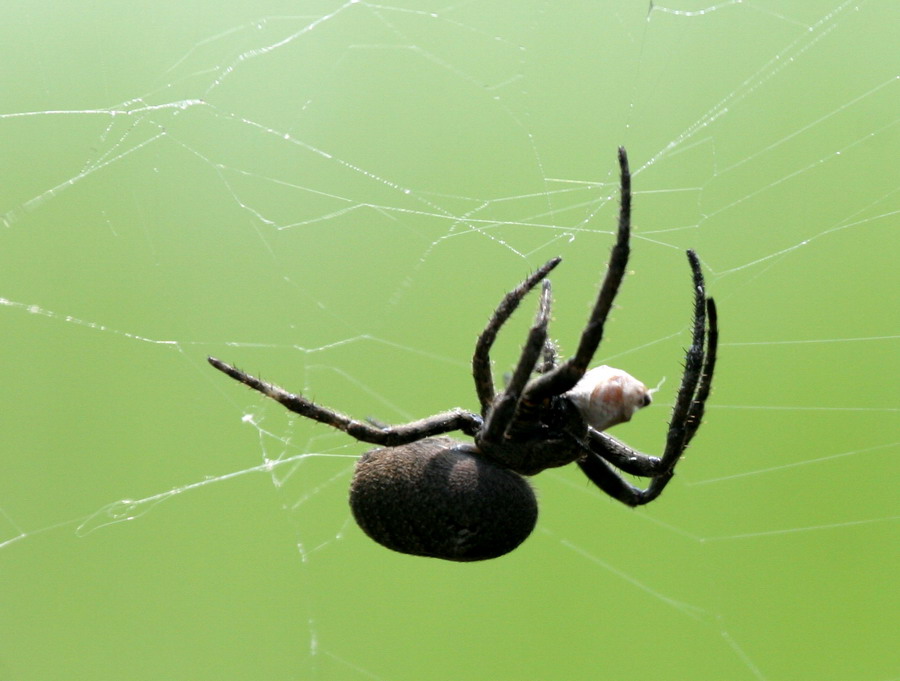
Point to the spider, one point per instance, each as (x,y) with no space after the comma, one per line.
(426,494)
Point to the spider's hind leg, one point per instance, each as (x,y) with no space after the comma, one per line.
(391,436)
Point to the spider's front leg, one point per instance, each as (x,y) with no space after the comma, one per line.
(696,383)
(390,436)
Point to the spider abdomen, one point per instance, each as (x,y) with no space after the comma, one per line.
(436,497)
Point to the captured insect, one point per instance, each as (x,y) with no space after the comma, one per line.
(427,494)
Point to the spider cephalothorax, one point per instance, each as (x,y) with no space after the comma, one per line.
(426,494)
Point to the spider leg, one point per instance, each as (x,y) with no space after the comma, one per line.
(549,360)
(622,456)
(687,413)
(566,375)
(688,403)
(387,436)
(504,408)
(698,407)
(610,481)
(481,360)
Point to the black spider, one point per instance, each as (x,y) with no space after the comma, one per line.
(440,497)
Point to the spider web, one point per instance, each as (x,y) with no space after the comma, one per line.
(335,198)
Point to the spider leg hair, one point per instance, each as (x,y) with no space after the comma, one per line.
(564,377)
(695,416)
(504,408)
(481,360)
(677,438)
(387,436)
(687,413)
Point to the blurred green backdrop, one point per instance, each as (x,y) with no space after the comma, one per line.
(336,196)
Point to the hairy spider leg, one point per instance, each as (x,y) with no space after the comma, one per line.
(504,408)
(687,413)
(481,360)
(564,377)
(390,436)
(698,408)
(627,459)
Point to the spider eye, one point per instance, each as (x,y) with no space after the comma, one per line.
(606,396)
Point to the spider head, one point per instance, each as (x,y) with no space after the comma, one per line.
(606,396)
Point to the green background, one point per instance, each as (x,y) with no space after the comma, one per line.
(335,197)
